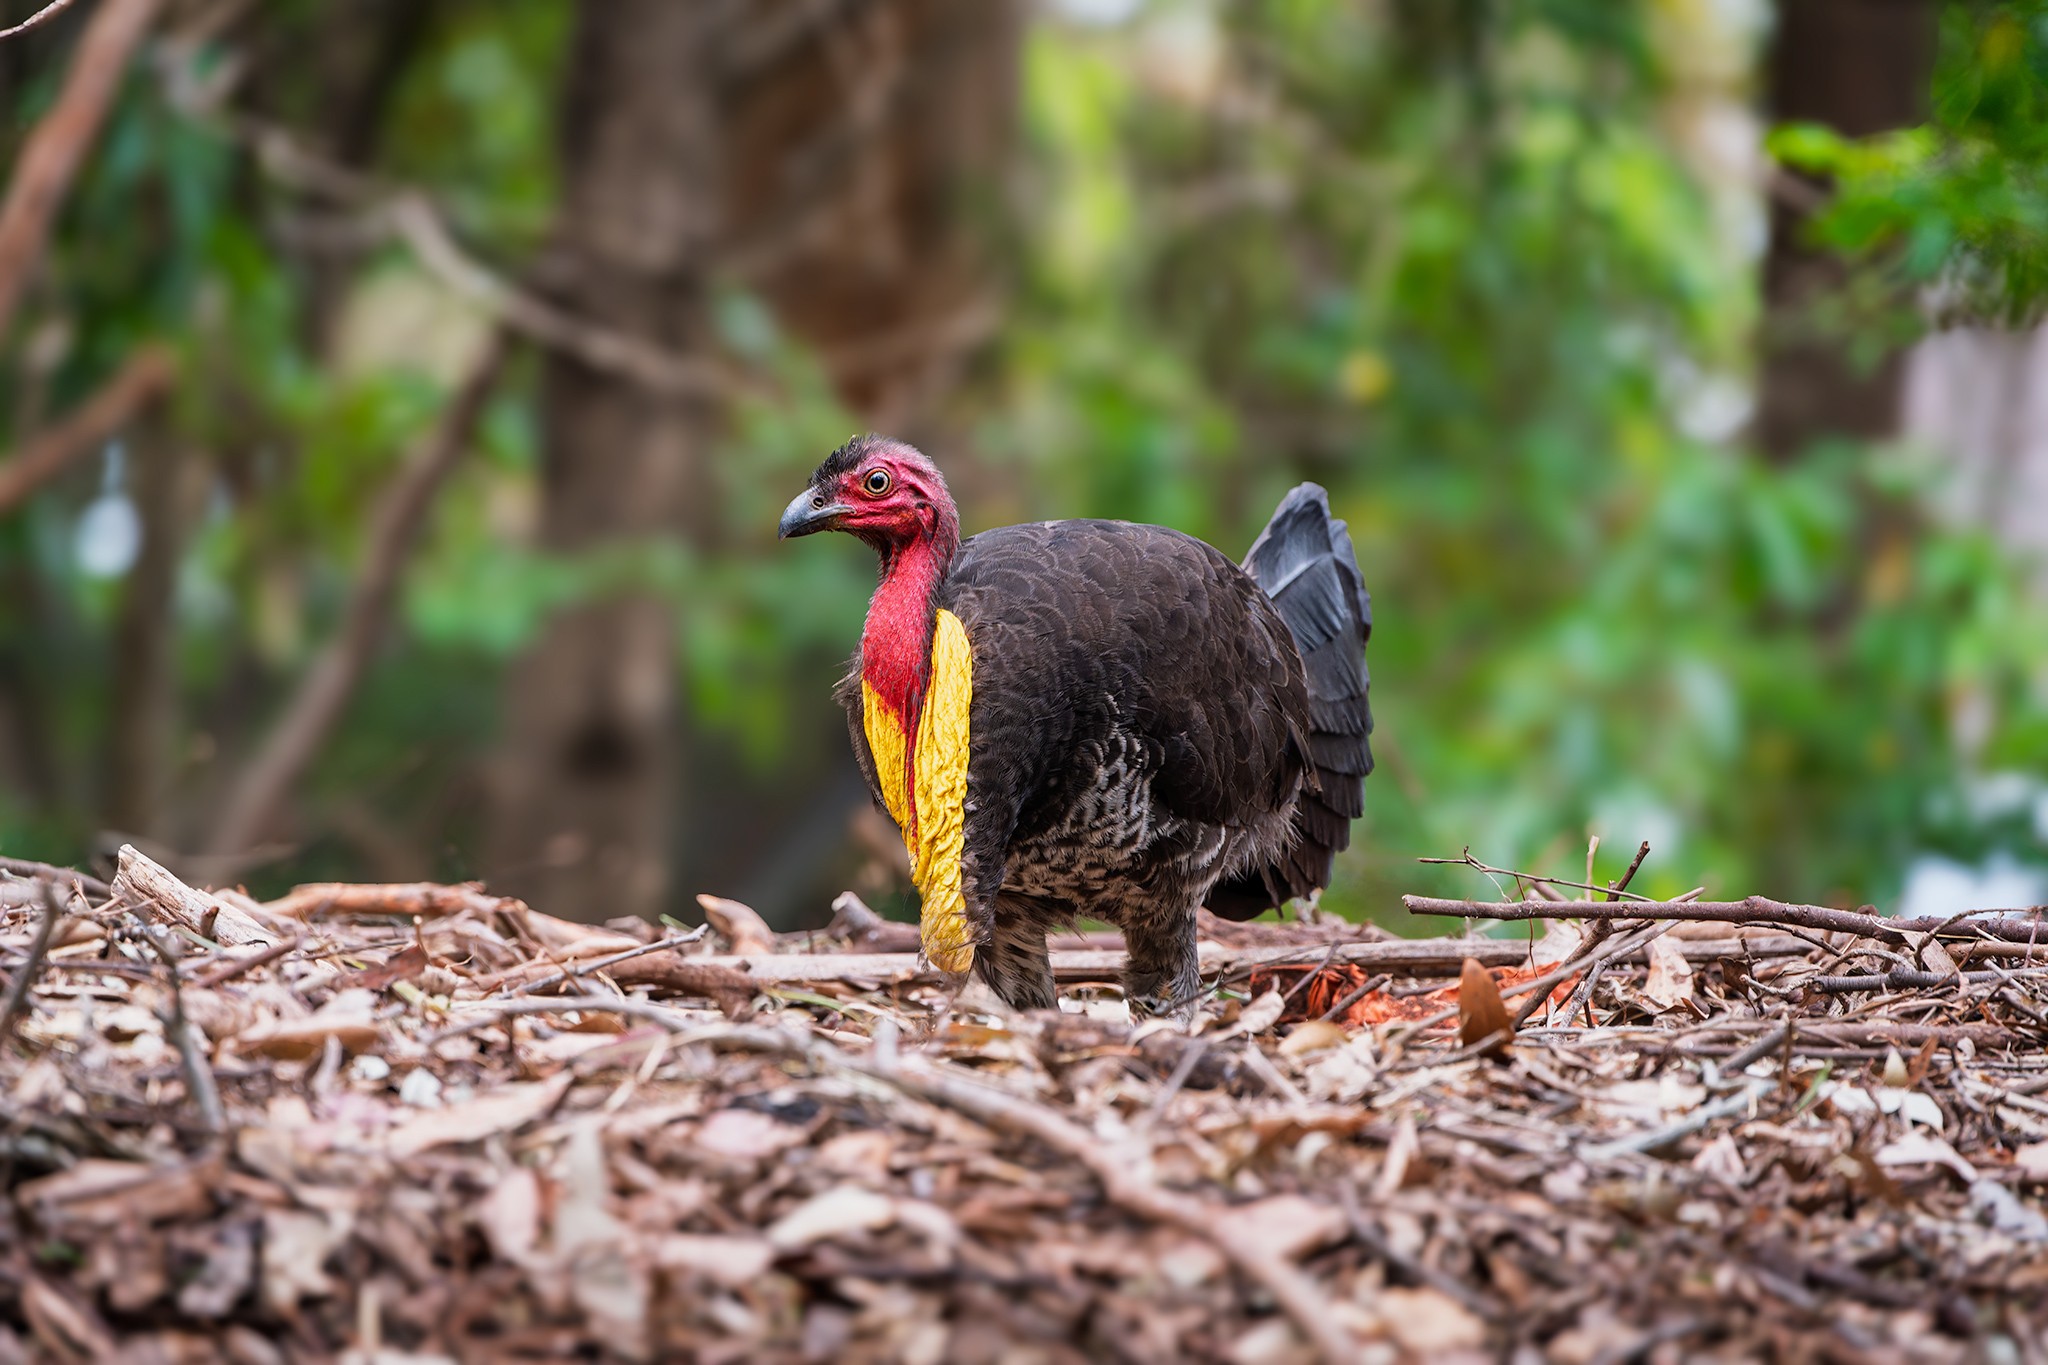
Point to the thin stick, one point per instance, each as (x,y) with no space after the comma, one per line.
(1337,1010)
(1762,1046)
(2012,927)
(241,966)
(1309,976)
(1467,860)
(1399,957)
(599,964)
(16,1002)
(200,1085)
(324,691)
(142,377)
(30,870)
(1902,979)
(1651,1139)
(1616,888)
(41,16)
(57,147)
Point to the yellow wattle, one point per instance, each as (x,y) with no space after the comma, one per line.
(924,787)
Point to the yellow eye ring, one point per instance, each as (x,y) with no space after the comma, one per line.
(876,483)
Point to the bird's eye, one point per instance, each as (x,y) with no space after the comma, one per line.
(876,483)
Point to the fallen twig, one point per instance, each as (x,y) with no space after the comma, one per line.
(599,964)
(16,1000)
(200,1085)
(1615,891)
(1651,1139)
(30,870)
(143,881)
(2012,926)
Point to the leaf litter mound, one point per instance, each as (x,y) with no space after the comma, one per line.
(423,1123)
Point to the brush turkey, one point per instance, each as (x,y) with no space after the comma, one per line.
(1096,718)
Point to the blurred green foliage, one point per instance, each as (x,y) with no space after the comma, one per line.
(1465,265)
(1962,202)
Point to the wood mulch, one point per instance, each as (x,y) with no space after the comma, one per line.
(421,1123)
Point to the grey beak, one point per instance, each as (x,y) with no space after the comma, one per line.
(808,511)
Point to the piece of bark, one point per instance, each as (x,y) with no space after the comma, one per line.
(144,883)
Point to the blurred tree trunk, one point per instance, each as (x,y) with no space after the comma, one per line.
(867,148)
(868,142)
(1859,67)
(167,481)
(828,155)
(588,773)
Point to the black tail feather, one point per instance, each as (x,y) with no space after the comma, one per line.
(1305,563)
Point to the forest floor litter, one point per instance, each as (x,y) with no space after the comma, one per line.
(423,1123)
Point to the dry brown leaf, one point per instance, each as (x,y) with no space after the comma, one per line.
(1561,939)
(509,1216)
(739,925)
(728,1261)
(1313,1036)
(2032,1161)
(745,1135)
(1286,1225)
(499,1110)
(1481,1011)
(110,1192)
(403,966)
(1428,1322)
(839,1210)
(68,1329)
(296,1245)
(1401,1151)
(1670,980)
(1257,1016)
(299,1040)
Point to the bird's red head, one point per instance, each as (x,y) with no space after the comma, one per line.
(883,491)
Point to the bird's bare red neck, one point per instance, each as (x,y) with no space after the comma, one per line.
(896,644)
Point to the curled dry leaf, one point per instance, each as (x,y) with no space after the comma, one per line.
(1288,1226)
(509,1216)
(296,1245)
(1670,980)
(1429,1322)
(1313,1036)
(1257,1016)
(839,1210)
(112,1192)
(1482,1014)
(739,925)
(727,1261)
(500,1110)
(298,1040)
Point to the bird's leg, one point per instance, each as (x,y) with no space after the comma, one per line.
(1164,975)
(1014,961)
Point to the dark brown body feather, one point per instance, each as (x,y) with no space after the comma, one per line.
(1144,734)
